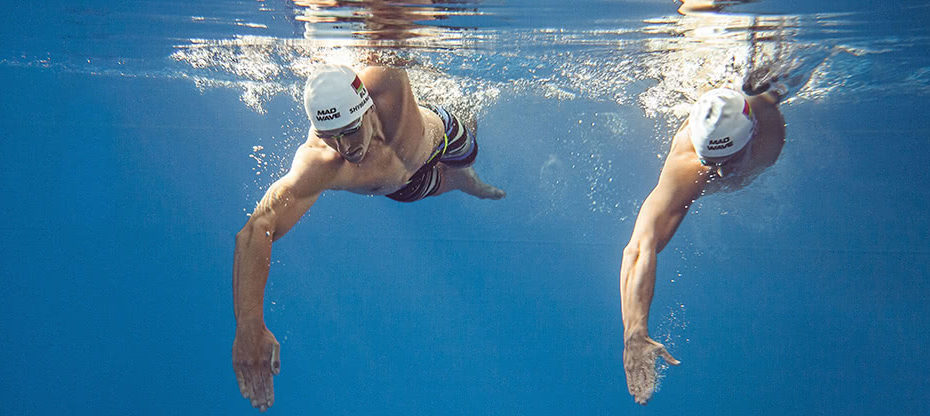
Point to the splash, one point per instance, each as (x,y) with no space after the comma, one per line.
(670,335)
(660,64)
(467,57)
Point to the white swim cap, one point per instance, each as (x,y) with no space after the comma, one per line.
(335,97)
(721,123)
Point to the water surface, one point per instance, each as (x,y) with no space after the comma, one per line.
(139,136)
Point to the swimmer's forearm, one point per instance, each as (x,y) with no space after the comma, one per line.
(637,285)
(680,183)
(250,274)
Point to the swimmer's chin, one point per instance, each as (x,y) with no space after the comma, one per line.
(355,157)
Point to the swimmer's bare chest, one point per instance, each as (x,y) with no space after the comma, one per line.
(387,168)
(388,164)
(383,171)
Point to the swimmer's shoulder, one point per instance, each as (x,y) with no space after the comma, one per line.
(681,142)
(390,90)
(765,108)
(382,79)
(770,137)
(768,116)
(315,156)
(682,161)
(764,100)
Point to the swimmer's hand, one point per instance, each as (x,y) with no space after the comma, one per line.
(639,362)
(256,359)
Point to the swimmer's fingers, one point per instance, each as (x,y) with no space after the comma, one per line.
(252,381)
(261,387)
(276,359)
(264,387)
(256,360)
(263,373)
(240,378)
(662,352)
(259,390)
(241,368)
(269,392)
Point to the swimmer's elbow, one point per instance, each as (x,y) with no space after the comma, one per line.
(639,245)
(261,223)
(631,250)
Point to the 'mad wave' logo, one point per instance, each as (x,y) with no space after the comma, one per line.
(719,144)
(328,114)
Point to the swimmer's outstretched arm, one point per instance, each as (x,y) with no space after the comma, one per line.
(255,350)
(680,183)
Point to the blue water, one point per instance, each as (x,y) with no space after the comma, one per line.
(128,169)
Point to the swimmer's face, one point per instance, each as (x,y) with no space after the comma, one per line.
(723,165)
(351,141)
(719,166)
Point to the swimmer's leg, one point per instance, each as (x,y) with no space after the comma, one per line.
(457,171)
(467,180)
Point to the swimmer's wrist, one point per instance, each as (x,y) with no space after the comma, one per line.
(635,331)
(246,320)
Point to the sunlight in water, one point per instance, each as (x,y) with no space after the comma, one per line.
(659,65)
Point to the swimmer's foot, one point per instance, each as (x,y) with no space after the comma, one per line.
(467,180)
(475,186)
(485,191)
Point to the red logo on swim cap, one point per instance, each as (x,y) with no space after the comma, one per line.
(357,85)
(747,111)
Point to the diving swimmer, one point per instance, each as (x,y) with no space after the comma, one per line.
(368,136)
(727,140)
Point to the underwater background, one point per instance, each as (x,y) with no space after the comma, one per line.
(138,136)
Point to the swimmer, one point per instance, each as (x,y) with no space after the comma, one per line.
(368,136)
(727,140)
(705,6)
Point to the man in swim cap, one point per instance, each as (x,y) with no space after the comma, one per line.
(368,136)
(727,140)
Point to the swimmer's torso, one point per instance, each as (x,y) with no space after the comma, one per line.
(404,136)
